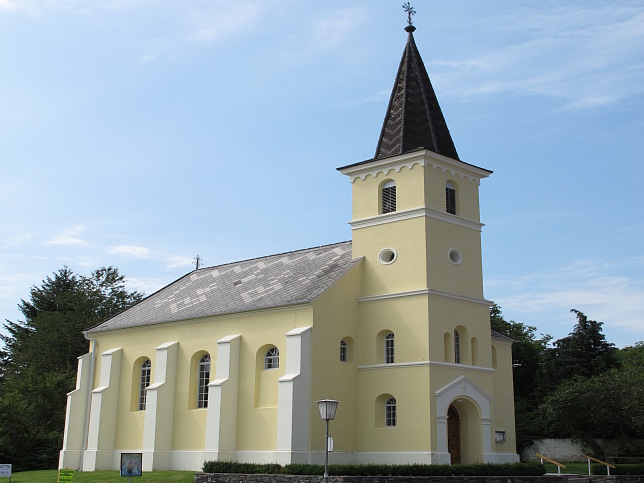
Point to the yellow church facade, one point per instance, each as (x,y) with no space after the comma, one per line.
(227,362)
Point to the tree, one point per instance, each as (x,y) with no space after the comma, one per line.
(607,405)
(530,383)
(584,352)
(39,361)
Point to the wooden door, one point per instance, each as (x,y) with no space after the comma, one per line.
(454,435)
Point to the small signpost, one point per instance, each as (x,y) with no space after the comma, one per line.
(65,476)
(5,471)
(131,464)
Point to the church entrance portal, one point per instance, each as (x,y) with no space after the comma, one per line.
(454,435)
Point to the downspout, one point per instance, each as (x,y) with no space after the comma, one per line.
(94,343)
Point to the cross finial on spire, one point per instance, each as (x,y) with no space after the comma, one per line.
(410,11)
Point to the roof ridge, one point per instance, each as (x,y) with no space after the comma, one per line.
(268,256)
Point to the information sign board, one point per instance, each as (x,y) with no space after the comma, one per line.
(131,464)
(65,476)
(5,471)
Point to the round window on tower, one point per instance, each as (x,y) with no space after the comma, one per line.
(455,256)
(387,256)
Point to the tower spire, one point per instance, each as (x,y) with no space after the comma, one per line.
(414,118)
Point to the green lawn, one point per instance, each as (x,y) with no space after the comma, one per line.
(51,476)
(570,469)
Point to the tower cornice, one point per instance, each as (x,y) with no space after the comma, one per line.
(422,157)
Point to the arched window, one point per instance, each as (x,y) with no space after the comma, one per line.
(388,196)
(457,347)
(146,371)
(272,359)
(343,351)
(390,412)
(389,348)
(202,383)
(450,198)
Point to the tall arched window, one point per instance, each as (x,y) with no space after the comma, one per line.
(389,348)
(202,383)
(450,198)
(390,412)
(457,347)
(388,196)
(343,351)
(272,359)
(146,371)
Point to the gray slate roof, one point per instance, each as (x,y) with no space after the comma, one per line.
(260,283)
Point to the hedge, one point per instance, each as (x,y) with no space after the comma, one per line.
(505,469)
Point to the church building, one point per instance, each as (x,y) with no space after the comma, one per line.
(227,362)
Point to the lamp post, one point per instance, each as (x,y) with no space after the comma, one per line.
(327,409)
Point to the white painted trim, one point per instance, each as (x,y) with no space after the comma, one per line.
(422,158)
(159,408)
(415,213)
(425,291)
(294,397)
(103,406)
(76,416)
(462,387)
(398,365)
(221,417)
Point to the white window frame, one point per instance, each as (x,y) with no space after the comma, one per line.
(144,382)
(457,347)
(203,379)
(389,348)
(343,351)
(272,358)
(390,412)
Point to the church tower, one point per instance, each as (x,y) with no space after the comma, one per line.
(424,323)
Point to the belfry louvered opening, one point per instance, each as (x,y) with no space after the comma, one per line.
(450,198)
(388,197)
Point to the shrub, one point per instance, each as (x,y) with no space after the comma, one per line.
(245,468)
(506,469)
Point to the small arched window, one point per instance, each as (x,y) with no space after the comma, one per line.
(343,351)
(146,372)
(272,359)
(390,412)
(202,383)
(457,347)
(388,196)
(389,348)
(450,198)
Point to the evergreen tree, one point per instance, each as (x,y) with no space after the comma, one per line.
(39,361)
(584,352)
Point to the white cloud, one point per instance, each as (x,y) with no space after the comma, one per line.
(222,20)
(130,250)
(7,5)
(570,52)
(70,237)
(603,291)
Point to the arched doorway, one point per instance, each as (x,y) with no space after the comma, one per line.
(454,435)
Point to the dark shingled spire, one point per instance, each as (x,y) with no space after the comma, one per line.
(414,118)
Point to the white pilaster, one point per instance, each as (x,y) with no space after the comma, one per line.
(159,410)
(294,399)
(76,416)
(102,419)
(221,418)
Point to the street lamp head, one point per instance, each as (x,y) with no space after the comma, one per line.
(327,408)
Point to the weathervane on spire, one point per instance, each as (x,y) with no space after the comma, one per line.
(410,11)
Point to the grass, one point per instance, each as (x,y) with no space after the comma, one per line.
(51,476)
(570,469)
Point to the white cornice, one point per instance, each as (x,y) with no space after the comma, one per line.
(400,365)
(425,291)
(422,158)
(415,213)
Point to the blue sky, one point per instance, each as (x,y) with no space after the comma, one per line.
(140,133)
